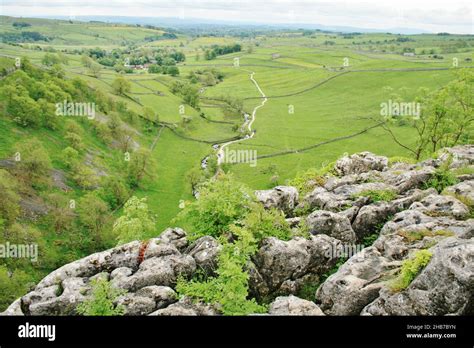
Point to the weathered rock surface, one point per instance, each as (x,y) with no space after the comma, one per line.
(186,307)
(205,251)
(332,224)
(336,216)
(360,163)
(444,287)
(282,267)
(292,305)
(284,198)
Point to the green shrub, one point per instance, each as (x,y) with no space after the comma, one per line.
(410,269)
(264,223)
(442,177)
(306,181)
(12,285)
(101,303)
(377,195)
(221,202)
(370,239)
(229,290)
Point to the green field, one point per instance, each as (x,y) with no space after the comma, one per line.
(330,100)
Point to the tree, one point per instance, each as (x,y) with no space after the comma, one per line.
(121,86)
(70,157)
(60,215)
(24,111)
(94,70)
(138,166)
(136,223)
(172,70)
(50,59)
(34,163)
(155,69)
(445,118)
(114,191)
(94,214)
(86,61)
(12,285)
(9,199)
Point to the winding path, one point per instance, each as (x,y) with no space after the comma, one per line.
(248,123)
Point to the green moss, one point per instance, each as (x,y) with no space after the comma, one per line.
(400,159)
(377,195)
(412,236)
(466,170)
(410,269)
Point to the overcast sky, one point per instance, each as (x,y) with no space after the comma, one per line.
(455,16)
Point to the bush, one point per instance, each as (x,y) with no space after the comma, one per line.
(34,164)
(264,223)
(410,269)
(12,285)
(229,290)
(442,178)
(221,202)
(306,181)
(9,199)
(102,300)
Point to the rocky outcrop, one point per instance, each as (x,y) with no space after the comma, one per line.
(360,163)
(284,198)
(283,267)
(363,226)
(331,224)
(444,287)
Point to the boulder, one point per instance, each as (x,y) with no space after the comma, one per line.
(205,252)
(284,198)
(356,284)
(360,163)
(437,205)
(292,305)
(322,199)
(444,287)
(162,270)
(464,190)
(331,224)
(461,155)
(279,265)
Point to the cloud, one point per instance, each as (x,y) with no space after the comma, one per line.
(431,15)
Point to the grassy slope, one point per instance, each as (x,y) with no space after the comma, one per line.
(337,108)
